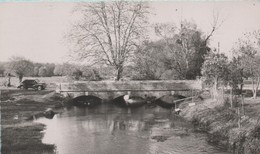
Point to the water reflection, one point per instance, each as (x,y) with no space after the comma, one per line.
(107,129)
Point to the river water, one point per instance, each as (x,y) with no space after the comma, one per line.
(107,129)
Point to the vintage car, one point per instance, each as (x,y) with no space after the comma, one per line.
(32,83)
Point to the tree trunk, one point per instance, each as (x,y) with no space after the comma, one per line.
(215,90)
(119,73)
(8,80)
(254,94)
(255,86)
(231,97)
(241,88)
(20,78)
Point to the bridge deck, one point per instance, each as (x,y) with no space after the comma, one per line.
(107,86)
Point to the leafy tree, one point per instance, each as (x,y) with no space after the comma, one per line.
(58,70)
(148,63)
(90,74)
(215,70)
(69,69)
(2,69)
(43,71)
(20,67)
(36,68)
(236,76)
(109,32)
(76,74)
(36,71)
(248,51)
(186,46)
(106,73)
(49,69)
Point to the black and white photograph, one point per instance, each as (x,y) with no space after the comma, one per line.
(129,77)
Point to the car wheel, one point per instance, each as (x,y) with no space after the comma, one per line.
(40,88)
(22,87)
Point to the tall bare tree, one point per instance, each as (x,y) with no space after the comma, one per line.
(109,32)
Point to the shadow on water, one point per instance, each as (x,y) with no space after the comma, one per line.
(167,101)
(126,101)
(87,101)
(130,102)
(107,128)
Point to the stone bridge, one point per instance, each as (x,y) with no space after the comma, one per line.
(108,90)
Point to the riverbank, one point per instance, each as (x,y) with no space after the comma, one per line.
(238,133)
(19,134)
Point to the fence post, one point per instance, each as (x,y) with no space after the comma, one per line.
(222,94)
(238,114)
(231,97)
(243,110)
(192,95)
(174,105)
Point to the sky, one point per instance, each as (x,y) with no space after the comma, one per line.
(36,30)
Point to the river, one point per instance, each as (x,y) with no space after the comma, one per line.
(107,129)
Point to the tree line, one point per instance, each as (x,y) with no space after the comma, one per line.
(22,67)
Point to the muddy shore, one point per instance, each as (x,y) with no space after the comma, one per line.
(19,134)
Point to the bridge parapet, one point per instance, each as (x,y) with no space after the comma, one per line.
(129,86)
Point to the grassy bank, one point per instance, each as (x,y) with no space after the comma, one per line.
(19,134)
(238,133)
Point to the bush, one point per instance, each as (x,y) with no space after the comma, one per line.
(91,75)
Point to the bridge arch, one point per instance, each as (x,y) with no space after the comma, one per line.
(86,100)
(109,90)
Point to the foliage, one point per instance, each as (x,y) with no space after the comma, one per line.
(20,67)
(248,50)
(36,71)
(48,69)
(90,74)
(148,63)
(2,69)
(236,75)
(43,71)
(109,32)
(215,72)
(186,48)
(107,72)
(58,70)
(77,72)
